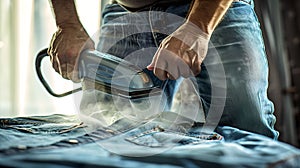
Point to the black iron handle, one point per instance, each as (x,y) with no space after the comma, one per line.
(40,56)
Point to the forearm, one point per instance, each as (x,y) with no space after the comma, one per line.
(206,14)
(65,13)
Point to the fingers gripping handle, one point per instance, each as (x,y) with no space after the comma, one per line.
(40,56)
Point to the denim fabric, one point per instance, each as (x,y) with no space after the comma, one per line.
(22,132)
(60,131)
(239,92)
(77,147)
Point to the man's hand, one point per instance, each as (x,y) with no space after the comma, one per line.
(181,53)
(65,48)
(69,39)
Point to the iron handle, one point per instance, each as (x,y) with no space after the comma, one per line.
(40,56)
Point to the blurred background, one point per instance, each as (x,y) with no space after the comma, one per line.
(26,27)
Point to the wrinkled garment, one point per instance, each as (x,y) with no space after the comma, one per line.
(25,142)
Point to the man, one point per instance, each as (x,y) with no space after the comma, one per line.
(182,49)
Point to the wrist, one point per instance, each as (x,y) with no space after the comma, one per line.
(207,14)
(203,26)
(194,30)
(70,24)
(65,13)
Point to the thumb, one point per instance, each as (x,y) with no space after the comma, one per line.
(154,59)
(150,66)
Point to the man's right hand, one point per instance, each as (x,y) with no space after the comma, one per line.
(65,47)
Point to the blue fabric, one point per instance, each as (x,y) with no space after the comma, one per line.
(234,76)
(22,131)
(68,145)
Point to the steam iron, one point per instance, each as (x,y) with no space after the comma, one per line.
(106,73)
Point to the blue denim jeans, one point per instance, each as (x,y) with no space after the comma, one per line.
(63,141)
(234,75)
